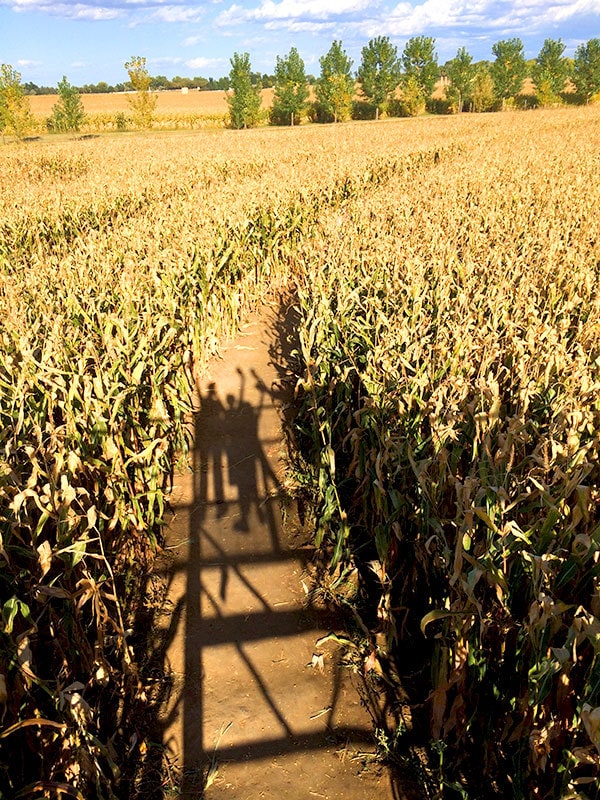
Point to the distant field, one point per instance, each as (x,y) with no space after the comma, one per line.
(193,102)
(174,102)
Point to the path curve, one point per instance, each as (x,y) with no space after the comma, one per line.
(254,697)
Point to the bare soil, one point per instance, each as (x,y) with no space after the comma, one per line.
(259,707)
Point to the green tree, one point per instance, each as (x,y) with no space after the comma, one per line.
(160,82)
(15,112)
(461,71)
(509,69)
(482,91)
(419,60)
(550,71)
(335,86)
(291,89)
(586,69)
(379,72)
(67,113)
(143,102)
(413,101)
(244,98)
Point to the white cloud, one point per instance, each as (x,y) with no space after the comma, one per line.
(192,41)
(269,11)
(365,16)
(80,11)
(560,12)
(488,17)
(536,15)
(17,5)
(157,10)
(174,13)
(446,20)
(302,27)
(193,63)
(474,21)
(66,10)
(491,15)
(408,20)
(204,63)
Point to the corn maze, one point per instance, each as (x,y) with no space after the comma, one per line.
(445,272)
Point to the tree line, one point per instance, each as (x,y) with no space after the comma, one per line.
(403,84)
(386,82)
(158,83)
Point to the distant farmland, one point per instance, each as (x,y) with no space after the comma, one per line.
(194,102)
(169,102)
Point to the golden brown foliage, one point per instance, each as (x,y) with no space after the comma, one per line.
(451,409)
(447,272)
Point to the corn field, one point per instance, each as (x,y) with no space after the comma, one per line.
(450,406)
(445,272)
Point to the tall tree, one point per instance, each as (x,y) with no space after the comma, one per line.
(550,71)
(67,112)
(586,69)
(379,72)
(244,98)
(291,89)
(419,60)
(143,102)
(15,113)
(509,69)
(335,86)
(461,72)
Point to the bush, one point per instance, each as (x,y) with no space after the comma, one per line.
(483,97)
(361,109)
(317,112)
(120,121)
(411,104)
(395,108)
(405,108)
(544,97)
(50,124)
(439,105)
(572,98)
(525,102)
(278,117)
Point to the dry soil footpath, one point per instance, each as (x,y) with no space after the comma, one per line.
(254,694)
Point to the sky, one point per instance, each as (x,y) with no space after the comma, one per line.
(90,40)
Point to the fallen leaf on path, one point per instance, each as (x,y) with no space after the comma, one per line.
(320,713)
(317,662)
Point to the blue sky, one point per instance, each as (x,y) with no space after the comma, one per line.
(90,40)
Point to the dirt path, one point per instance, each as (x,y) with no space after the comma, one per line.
(254,696)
